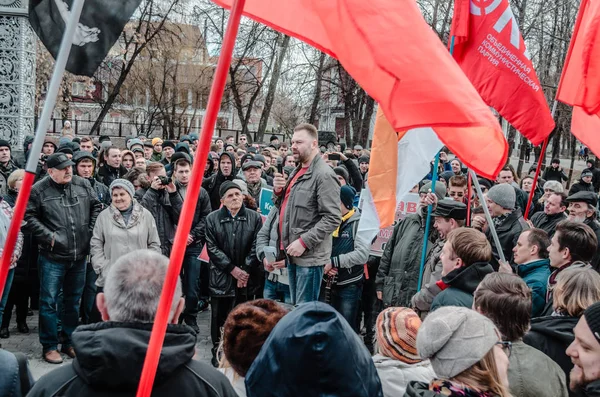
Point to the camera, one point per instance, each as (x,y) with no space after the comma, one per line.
(164,180)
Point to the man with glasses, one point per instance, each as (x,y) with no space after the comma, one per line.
(506,300)
(61,214)
(457,188)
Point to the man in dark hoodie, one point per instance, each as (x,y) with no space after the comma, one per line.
(329,359)
(110,355)
(7,165)
(465,262)
(112,168)
(226,172)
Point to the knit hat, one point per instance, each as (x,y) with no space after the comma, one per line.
(170,144)
(454,339)
(347,194)
(246,329)
(243,186)
(592,317)
(5,143)
(440,189)
(342,172)
(156,141)
(185,138)
(62,141)
(228,185)
(274,138)
(124,184)
(134,141)
(586,172)
(397,334)
(364,159)
(65,149)
(504,195)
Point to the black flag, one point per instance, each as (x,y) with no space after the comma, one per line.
(99,27)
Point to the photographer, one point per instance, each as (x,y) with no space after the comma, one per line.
(163,202)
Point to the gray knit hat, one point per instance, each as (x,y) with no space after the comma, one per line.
(440,189)
(124,184)
(504,195)
(454,339)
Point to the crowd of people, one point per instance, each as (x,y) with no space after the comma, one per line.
(299,304)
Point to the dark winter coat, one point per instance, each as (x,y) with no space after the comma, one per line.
(213,183)
(581,186)
(62,218)
(203,208)
(109,362)
(535,274)
(356,180)
(553,174)
(313,351)
(546,222)
(104,195)
(592,389)
(461,284)
(432,273)
(107,174)
(165,207)
(552,335)
(508,234)
(596,228)
(398,272)
(231,242)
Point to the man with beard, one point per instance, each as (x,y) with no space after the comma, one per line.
(112,168)
(398,272)
(582,208)
(448,215)
(585,353)
(252,171)
(309,214)
(225,172)
(554,213)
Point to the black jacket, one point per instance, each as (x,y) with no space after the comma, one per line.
(109,362)
(199,223)
(508,234)
(102,191)
(107,174)
(581,186)
(213,183)
(546,222)
(552,174)
(552,335)
(5,172)
(62,218)
(231,242)
(596,228)
(356,180)
(165,207)
(461,283)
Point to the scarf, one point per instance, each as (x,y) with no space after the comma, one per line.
(344,219)
(448,388)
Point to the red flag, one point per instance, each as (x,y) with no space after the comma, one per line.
(580,81)
(389,49)
(494,58)
(460,24)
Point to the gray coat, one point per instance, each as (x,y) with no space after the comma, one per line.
(268,236)
(312,213)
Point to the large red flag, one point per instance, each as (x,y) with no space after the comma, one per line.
(580,81)
(492,54)
(389,49)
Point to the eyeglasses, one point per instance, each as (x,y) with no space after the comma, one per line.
(506,347)
(456,194)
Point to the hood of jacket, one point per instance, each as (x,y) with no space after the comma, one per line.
(467,279)
(555,327)
(313,351)
(110,355)
(234,170)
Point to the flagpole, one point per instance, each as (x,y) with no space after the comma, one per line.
(469,193)
(539,168)
(488,217)
(38,141)
(189,206)
(434,177)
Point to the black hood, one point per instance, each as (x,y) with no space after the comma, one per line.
(313,351)
(234,170)
(558,328)
(211,167)
(468,278)
(110,355)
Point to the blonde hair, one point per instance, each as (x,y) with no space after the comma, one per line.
(14,177)
(483,376)
(576,290)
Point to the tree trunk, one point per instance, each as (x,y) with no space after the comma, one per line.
(314,108)
(522,151)
(512,132)
(264,117)
(366,122)
(573,151)
(556,144)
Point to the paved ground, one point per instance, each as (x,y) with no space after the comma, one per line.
(30,345)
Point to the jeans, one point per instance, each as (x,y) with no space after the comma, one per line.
(305,283)
(190,285)
(69,276)
(88,300)
(277,292)
(346,300)
(9,280)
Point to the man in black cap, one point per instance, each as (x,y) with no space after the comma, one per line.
(252,174)
(61,214)
(585,353)
(448,215)
(583,208)
(584,184)
(7,165)
(148,150)
(235,274)
(357,150)
(274,141)
(168,148)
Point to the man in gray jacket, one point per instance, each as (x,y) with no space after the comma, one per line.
(309,214)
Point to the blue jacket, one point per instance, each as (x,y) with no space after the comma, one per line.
(313,351)
(535,274)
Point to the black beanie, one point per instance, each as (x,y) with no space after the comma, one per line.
(347,194)
(342,172)
(4,143)
(228,185)
(592,317)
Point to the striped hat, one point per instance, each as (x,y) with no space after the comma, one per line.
(397,329)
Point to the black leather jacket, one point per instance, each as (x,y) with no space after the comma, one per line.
(62,218)
(203,208)
(231,242)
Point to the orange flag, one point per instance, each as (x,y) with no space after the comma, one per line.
(490,50)
(389,49)
(580,81)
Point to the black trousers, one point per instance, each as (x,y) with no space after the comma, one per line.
(19,297)
(370,305)
(220,307)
